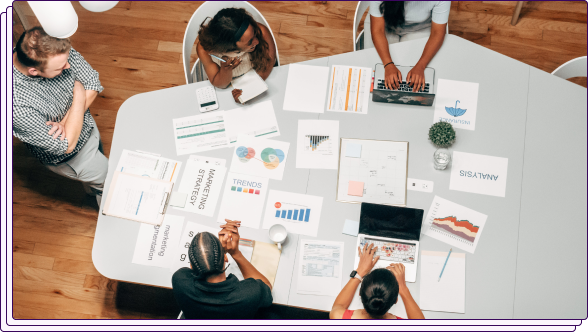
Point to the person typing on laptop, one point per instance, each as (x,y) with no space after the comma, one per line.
(390,22)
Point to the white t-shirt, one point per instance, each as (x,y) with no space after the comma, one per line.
(419,11)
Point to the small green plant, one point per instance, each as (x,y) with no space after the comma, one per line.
(442,134)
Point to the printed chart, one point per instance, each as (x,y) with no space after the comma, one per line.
(299,213)
(200,133)
(317,144)
(258,120)
(454,224)
(260,157)
(349,90)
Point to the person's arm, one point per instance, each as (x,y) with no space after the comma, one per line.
(392,75)
(75,117)
(267,36)
(416,76)
(229,237)
(366,264)
(412,308)
(219,76)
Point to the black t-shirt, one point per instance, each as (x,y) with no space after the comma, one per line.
(230,299)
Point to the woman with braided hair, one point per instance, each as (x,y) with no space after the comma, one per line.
(204,291)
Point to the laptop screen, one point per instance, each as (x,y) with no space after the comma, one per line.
(390,221)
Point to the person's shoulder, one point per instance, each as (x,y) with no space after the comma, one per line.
(254,285)
(183,273)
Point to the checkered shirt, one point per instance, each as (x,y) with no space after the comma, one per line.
(37,100)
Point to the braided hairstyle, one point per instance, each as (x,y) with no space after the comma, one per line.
(379,292)
(207,255)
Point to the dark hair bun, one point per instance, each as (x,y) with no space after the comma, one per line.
(379,292)
(206,255)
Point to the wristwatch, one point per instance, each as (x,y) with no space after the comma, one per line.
(355,275)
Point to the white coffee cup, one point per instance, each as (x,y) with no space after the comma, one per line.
(278,234)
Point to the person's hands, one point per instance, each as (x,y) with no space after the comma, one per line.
(229,236)
(398,271)
(230,64)
(416,77)
(366,259)
(393,77)
(57,129)
(236,93)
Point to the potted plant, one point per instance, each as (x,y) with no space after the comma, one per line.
(442,135)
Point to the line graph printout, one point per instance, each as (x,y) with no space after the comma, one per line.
(454,224)
(349,89)
(382,168)
(199,133)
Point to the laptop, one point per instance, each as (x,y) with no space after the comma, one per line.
(404,94)
(395,233)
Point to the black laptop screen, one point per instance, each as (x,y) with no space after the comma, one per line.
(390,221)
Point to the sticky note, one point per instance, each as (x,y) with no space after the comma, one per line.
(353,150)
(355,188)
(351,227)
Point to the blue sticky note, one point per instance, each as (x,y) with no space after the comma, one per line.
(351,227)
(353,150)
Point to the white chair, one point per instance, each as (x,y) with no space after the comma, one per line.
(573,68)
(209,9)
(358,38)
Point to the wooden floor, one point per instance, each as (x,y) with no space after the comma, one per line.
(136,47)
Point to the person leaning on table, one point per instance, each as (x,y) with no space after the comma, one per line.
(391,22)
(233,35)
(203,291)
(379,291)
(53,89)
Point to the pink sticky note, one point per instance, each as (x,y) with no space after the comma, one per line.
(355,188)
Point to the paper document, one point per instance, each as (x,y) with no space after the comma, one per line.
(319,270)
(456,103)
(306,88)
(317,144)
(260,157)
(257,120)
(266,258)
(137,198)
(208,160)
(251,84)
(479,174)
(199,133)
(349,89)
(180,258)
(243,199)
(299,213)
(148,165)
(157,244)
(454,224)
(448,293)
(202,182)
(246,248)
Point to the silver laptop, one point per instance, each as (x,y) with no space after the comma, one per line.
(404,94)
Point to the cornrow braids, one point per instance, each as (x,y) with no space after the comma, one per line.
(206,255)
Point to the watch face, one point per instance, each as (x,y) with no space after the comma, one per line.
(353,273)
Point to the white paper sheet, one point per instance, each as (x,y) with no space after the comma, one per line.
(299,213)
(306,88)
(351,227)
(479,174)
(349,89)
(257,120)
(208,160)
(243,199)
(156,244)
(457,103)
(454,224)
(149,165)
(319,268)
(251,85)
(180,258)
(317,144)
(448,293)
(199,133)
(260,157)
(246,248)
(202,182)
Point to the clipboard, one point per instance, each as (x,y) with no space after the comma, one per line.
(137,198)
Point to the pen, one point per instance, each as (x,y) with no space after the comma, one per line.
(443,269)
(214,56)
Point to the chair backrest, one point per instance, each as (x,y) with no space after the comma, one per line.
(362,6)
(573,68)
(209,9)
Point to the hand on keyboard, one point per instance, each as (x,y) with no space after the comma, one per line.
(392,77)
(416,77)
(403,86)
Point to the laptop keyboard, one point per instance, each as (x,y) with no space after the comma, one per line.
(392,251)
(403,87)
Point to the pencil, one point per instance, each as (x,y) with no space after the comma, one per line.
(214,56)
(443,269)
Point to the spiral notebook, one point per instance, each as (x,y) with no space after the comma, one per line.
(251,84)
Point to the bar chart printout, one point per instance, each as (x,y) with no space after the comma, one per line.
(299,213)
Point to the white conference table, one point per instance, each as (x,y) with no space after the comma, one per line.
(522,267)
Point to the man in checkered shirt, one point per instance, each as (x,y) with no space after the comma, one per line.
(53,88)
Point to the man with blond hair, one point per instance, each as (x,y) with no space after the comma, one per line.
(53,88)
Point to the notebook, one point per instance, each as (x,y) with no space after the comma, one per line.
(251,84)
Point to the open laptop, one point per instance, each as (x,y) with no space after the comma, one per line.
(404,94)
(395,231)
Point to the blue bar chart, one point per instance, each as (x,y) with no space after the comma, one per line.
(294,215)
